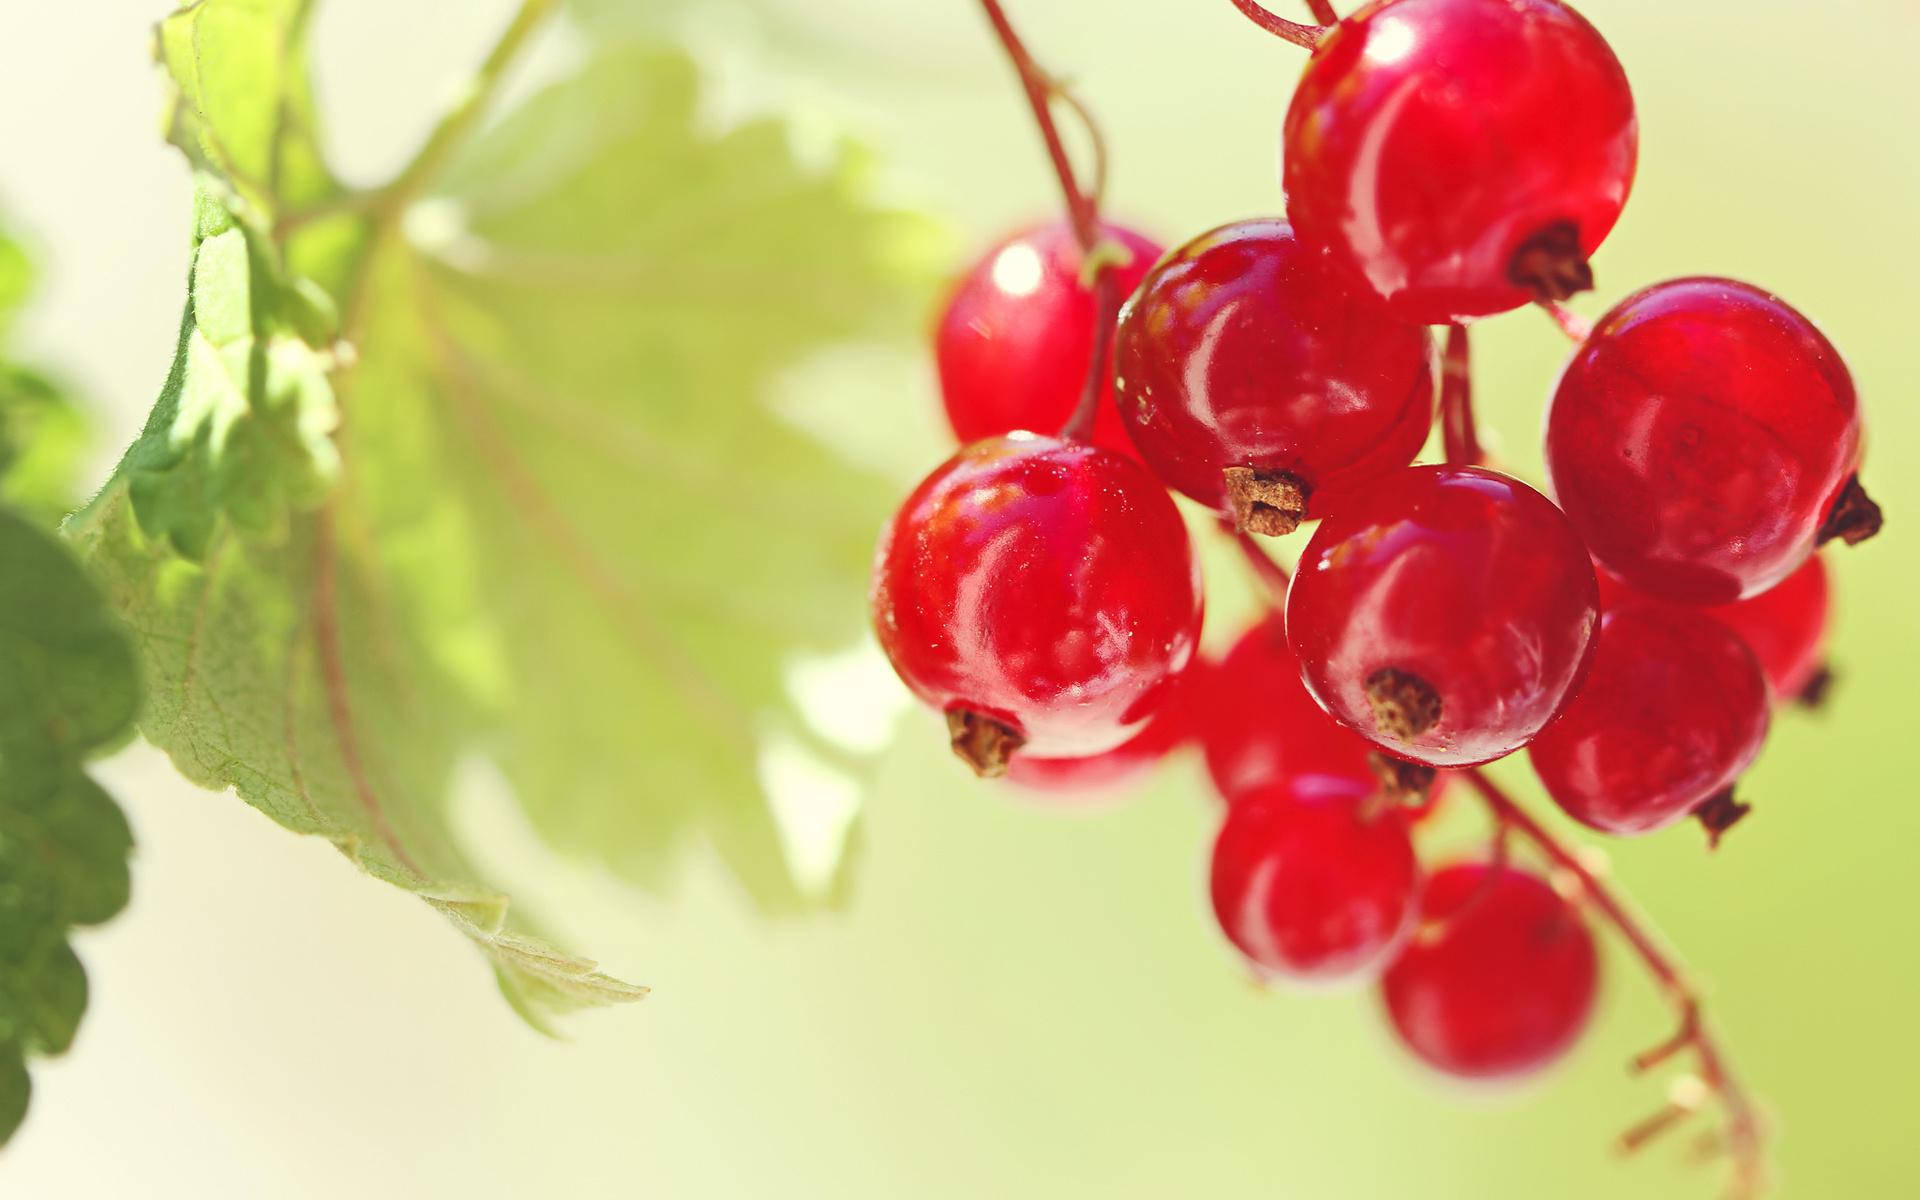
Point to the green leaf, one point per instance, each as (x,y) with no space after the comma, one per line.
(526,504)
(42,434)
(68,690)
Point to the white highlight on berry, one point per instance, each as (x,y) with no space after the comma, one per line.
(1017,270)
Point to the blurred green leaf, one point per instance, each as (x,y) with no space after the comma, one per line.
(42,434)
(68,689)
(522,500)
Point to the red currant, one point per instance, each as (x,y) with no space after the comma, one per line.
(1672,710)
(1464,156)
(1498,980)
(1259,723)
(1447,618)
(1125,763)
(1254,378)
(1015,341)
(1785,627)
(1314,884)
(1041,593)
(1702,438)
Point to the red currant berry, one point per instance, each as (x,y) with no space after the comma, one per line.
(1447,618)
(1786,628)
(1499,978)
(1464,156)
(1701,439)
(1016,339)
(1131,759)
(1258,723)
(1041,593)
(1254,378)
(1672,710)
(1314,887)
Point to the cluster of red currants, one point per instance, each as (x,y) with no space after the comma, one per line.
(1444,161)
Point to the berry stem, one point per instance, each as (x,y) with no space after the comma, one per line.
(1305,36)
(1577,328)
(1457,430)
(1322,11)
(1083,205)
(1743,1135)
(1273,577)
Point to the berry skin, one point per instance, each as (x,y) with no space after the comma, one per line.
(1314,884)
(1249,366)
(1166,732)
(1463,156)
(1447,618)
(1785,626)
(1041,593)
(1700,438)
(1672,710)
(1015,340)
(1499,978)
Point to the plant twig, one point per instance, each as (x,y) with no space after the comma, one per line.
(1305,36)
(1742,1133)
(1576,327)
(1273,577)
(1459,436)
(1322,11)
(1083,206)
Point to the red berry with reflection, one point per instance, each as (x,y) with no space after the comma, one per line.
(1258,380)
(1672,710)
(1041,593)
(1314,884)
(1700,439)
(1463,156)
(1130,760)
(1448,617)
(1016,338)
(1499,978)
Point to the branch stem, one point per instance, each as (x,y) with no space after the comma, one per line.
(1459,435)
(1743,1134)
(1305,36)
(1083,206)
(1322,11)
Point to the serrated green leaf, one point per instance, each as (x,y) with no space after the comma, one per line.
(68,689)
(562,531)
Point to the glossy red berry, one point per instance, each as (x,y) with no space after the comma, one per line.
(1447,618)
(1258,723)
(1130,760)
(1673,708)
(1499,978)
(1463,156)
(1316,886)
(1258,380)
(1700,439)
(1041,593)
(1015,340)
(1785,627)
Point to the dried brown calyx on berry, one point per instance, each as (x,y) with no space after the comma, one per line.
(1551,264)
(983,743)
(1853,518)
(1719,813)
(1404,705)
(1272,503)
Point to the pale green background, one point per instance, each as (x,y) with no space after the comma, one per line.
(1017,1002)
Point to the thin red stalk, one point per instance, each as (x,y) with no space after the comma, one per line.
(1322,11)
(1273,577)
(1083,206)
(1459,435)
(1571,323)
(1743,1131)
(1305,36)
